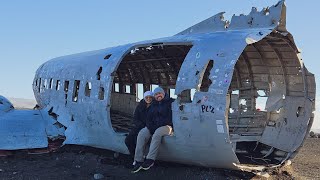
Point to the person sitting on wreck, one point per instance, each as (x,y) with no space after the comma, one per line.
(139,121)
(158,124)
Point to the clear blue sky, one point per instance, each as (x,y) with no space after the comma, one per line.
(32,32)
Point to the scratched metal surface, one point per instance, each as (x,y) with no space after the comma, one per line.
(22,129)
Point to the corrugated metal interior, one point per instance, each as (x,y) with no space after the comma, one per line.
(266,71)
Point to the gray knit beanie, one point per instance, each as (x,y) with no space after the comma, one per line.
(157,90)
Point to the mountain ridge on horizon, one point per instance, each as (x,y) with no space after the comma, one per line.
(22,103)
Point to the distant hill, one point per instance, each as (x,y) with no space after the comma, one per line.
(20,103)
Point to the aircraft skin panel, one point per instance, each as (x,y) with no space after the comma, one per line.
(22,129)
(292,127)
(216,154)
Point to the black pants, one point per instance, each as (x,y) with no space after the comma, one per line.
(131,140)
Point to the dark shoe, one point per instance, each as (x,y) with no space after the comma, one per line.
(137,167)
(148,163)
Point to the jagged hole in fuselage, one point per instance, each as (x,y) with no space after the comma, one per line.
(142,69)
(273,60)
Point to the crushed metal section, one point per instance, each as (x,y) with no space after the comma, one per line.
(25,129)
(270,17)
(273,16)
(242,92)
(22,129)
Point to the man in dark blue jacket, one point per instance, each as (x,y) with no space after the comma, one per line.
(158,124)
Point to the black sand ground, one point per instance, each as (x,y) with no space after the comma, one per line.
(78,162)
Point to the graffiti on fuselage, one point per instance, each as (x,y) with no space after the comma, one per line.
(207,108)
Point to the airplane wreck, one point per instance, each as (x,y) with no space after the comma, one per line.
(243,97)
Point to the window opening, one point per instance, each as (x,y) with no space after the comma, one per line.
(66,86)
(101,93)
(98,73)
(300,111)
(235,92)
(116,87)
(261,100)
(192,92)
(51,83)
(139,92)
(127,89)
(154,86)
(206,81)
(261,93)
(42,85)
(107,56)
(172,95)
(88,89)
(75,90)
(39,88)
(261,103)
(187,95)
(243,105)
(46,84)
(58,85)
